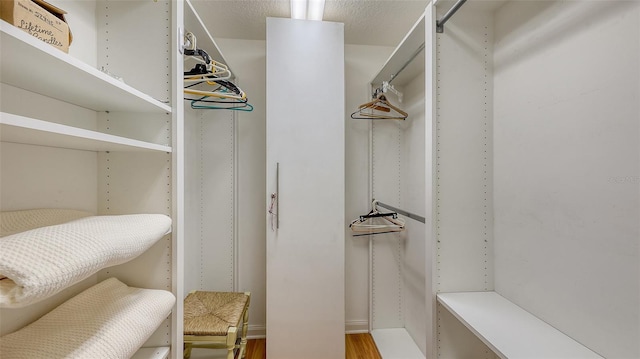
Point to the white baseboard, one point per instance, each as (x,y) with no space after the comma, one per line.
(256,331)
(351,327)
(356,326)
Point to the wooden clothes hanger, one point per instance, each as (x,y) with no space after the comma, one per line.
(379,109)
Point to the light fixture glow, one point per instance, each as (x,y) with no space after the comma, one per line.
(299,9)
(316,10)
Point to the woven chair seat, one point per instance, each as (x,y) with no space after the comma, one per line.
(212,313)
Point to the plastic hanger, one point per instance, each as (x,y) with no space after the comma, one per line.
(203,71)
(376,222)
(236,107)
(222,101)
(223,89)
(207,84)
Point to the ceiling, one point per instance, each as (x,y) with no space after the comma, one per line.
(367,22)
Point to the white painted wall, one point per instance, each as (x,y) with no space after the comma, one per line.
(567,168)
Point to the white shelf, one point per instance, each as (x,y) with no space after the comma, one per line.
(19,129)
(405,54)
(53,73)
(396,343)
(510,331)
(194,24)
(152,353)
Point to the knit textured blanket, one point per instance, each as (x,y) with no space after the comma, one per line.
(108,320)
(38,263)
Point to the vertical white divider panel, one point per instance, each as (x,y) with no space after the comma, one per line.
(464,213)
(430,183)
(178,177)
(305,136)
(464,161)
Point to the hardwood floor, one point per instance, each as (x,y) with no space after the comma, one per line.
(358,346)
(256,349)
(361,346)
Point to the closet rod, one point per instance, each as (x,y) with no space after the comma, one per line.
(418,51)
(399,211)
(440,23)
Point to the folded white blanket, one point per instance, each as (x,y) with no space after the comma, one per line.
(108,320)
(39,263)
(12,222)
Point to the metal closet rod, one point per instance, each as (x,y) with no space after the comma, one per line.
(439,28)
(400,211)
(418,51)
(440,23)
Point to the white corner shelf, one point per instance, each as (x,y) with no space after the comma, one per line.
(510,331)
(56,74)
(25,130)
(194,24)
(152,353)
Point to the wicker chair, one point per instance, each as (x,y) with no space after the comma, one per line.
(214,320)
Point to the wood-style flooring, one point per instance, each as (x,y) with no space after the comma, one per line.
(358,346)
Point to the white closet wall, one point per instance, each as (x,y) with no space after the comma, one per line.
(567,188)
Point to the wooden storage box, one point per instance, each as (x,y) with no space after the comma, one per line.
(40,19)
